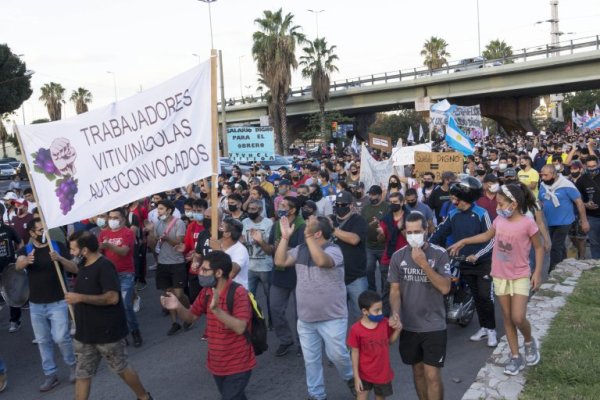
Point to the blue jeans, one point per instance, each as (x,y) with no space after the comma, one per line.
(50,323)
(354,290)
(594,236)
(233,387)
(373,257)
(312,335)
(127,286)
(264,277)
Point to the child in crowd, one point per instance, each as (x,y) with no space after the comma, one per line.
(514,235)
(369,339)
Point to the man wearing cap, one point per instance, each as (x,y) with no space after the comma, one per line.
(8,204)
(350,233)
(510,176)
(373,212)
(285,189)
(488,200)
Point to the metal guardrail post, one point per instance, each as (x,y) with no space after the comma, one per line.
(571,46)
(597,42)
(415,75)
(547,51)
(525,54)
(399,75)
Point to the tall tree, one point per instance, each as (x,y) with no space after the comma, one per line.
(581,102)
(318,62)
(3,137)
(435,53)
(81,97)
(274,50)
(498,49)
(15,81)
(272,108)
(53,98)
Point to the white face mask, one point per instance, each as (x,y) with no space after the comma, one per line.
(162,217)
(495,187)
(189,214)
(101,222)
(503,166)
(415,239)
(113,224)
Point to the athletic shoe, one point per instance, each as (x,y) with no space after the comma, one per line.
(174,329)
(3,382)
(514,365)
(34,341)
(480,334)
(14,327)
(72,375)
(187,326)
(492,341)
(532,352)
(137,304)
(283,349)
(149,396)
(152,267)
(50,383)
(137,338)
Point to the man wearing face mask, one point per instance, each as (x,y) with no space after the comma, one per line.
(117,244)
(373,212)
(557,162)
(48,309)
(194,229)
(153,214)
(234,206)
(20,220)
(413,204)
(230,233)
(589,187)
(420,278)
(264,183)
(350,233)
(528,175)
(324,207)
(285,189)
(309,208)
(354,175)
(488,200)
(360,198)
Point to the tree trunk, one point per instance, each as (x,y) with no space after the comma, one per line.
(322,111)
(283,119)
(4,147)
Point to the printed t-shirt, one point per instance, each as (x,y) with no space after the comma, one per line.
(528,177)
(510,257)
(374,351)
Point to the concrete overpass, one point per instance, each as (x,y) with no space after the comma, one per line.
(507,93)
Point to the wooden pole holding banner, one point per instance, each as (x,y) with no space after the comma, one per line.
(46,230)
(214,126)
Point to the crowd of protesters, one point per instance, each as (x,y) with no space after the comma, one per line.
(353,266)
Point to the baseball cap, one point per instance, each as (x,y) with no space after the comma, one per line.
(375,189)
(344,197)
(510,173)
(490,178)
(10,196)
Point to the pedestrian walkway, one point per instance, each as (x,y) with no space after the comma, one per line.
(491,383)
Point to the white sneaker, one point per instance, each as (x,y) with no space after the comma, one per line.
(14,327)
(137,304)
(480,334)
(492,341)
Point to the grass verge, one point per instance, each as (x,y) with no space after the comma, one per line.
(570,365)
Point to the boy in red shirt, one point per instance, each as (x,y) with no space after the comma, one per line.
(370,338)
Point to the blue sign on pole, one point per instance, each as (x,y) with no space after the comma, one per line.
(249,144)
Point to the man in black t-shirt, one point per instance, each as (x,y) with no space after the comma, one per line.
(441,194)
(99,317)
(9,241)
(350,233)
(47,307)
(589,187)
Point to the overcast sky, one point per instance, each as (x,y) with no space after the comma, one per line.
(144,42)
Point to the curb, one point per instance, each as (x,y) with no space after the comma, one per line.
(491,382)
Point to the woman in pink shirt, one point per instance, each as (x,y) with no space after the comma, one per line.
(514,234)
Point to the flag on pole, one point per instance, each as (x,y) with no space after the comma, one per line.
(457,138)
(486,133)
(411,137)
(592,124)
(421,133)
(597,111)
(354,145)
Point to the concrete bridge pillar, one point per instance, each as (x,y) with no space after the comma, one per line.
(512,113)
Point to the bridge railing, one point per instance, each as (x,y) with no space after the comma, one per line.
(519,55)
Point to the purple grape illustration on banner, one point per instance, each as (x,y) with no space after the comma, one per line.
(59,162)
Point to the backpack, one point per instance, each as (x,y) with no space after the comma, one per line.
(257,335)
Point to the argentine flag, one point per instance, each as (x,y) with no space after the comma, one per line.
(457,138)
(592,124)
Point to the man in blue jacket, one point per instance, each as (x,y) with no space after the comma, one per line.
(466,220)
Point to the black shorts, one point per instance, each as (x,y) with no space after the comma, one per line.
(171,276)
(380,389)
(426,347)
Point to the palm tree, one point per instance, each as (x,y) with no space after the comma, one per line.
(318,64)
(81,97)
(274,50)
(498,49)
(434,51)
(3,138)
(272,108)
(52,96)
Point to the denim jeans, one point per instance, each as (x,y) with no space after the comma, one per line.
(558,251)
(264,277)
(333,334)
(354,290)
(280,298)
(233,387)
(373,256)
(127,280)
(50,323)
(385,289)
(594,236)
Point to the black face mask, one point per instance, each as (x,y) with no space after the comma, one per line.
(549,182)
(253,215)
(427,184)
(411,204)
(206,223)
(342,211)
(575,174)
(302,198)
(306,214)
(203,195)
(232,207)
(394,184)
(395,207)
(316,195)
(354,172)
(207,281)
(480,172)
(358,195)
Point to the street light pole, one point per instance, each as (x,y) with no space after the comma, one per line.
(478,31)
(198,56)
(241,80)
(212,45)
(317,19)
(114,83)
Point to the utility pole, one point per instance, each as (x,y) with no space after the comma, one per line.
(554,32)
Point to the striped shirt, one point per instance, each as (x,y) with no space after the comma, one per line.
(228,352)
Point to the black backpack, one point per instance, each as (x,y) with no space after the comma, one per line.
(257,336)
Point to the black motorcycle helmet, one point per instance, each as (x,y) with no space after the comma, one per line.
(468,189)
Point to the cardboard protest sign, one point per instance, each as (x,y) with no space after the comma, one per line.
(249,143)
(157,140)
(437,163)
(380,142)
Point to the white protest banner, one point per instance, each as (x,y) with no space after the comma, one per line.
(466,118)
(406,155)
(373,172)
(157,140)
(248,143)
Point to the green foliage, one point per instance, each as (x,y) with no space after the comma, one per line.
(397,125)
(313,129)
(15,82)
(498,49)
(12,139)
(580,102)
(435,53)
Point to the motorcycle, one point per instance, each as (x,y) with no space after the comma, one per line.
(460,304)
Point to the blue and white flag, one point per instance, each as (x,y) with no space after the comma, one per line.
(354,145)
(411,137)
(592,124)
(597,111)
(457,139)
(421,133)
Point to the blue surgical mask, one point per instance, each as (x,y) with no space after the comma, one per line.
(505,213)
(282,213)
(199,217)
(376,318)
